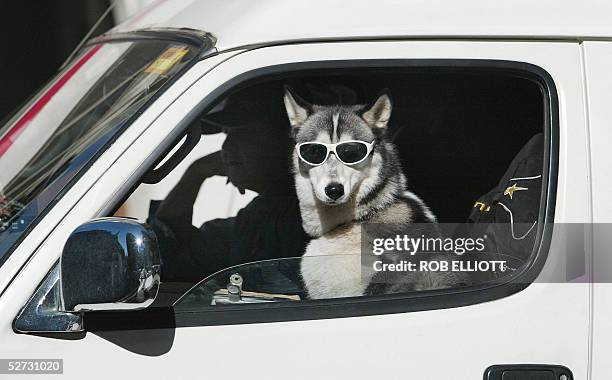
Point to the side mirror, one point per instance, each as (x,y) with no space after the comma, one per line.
(110,264)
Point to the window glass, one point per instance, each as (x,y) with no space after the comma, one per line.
(64,127)
(258,282)
(350,182)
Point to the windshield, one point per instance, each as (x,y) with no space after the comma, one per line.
(48,143)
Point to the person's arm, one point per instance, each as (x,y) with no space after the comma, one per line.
(178,205)
(182,245)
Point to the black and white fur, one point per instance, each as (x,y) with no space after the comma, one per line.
(375,191)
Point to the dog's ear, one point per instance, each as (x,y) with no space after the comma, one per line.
(377,114)
(298,109)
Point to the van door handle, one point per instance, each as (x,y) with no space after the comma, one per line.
(527,372)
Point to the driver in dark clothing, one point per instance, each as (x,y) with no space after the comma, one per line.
(255,156)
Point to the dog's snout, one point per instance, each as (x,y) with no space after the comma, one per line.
(334,190)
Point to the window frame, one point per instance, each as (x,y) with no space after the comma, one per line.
(369,305)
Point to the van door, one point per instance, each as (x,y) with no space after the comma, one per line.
(540,320)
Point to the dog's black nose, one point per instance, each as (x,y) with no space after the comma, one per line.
(334,190)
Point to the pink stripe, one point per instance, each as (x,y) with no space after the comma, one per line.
(8,139)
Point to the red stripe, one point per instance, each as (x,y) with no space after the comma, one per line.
(8,139)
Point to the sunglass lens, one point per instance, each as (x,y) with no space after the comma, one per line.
(313,153)
(351,152)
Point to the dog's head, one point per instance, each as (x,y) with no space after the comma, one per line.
(335,172)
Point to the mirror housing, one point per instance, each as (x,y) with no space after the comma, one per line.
(110,264)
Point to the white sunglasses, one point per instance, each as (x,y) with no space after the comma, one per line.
(350,152)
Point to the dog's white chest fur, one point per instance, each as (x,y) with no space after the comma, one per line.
(331,265)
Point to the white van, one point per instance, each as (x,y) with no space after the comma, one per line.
(93,283)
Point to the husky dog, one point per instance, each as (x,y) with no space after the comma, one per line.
(347,173)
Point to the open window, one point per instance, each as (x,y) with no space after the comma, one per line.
(473,142)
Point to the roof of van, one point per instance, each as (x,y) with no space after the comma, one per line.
(238,23)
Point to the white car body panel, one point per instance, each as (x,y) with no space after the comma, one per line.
(598,56)
(238,23)
(545,323)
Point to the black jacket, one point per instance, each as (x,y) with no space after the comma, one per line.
(268,227)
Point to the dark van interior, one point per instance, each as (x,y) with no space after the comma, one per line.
(457,130)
